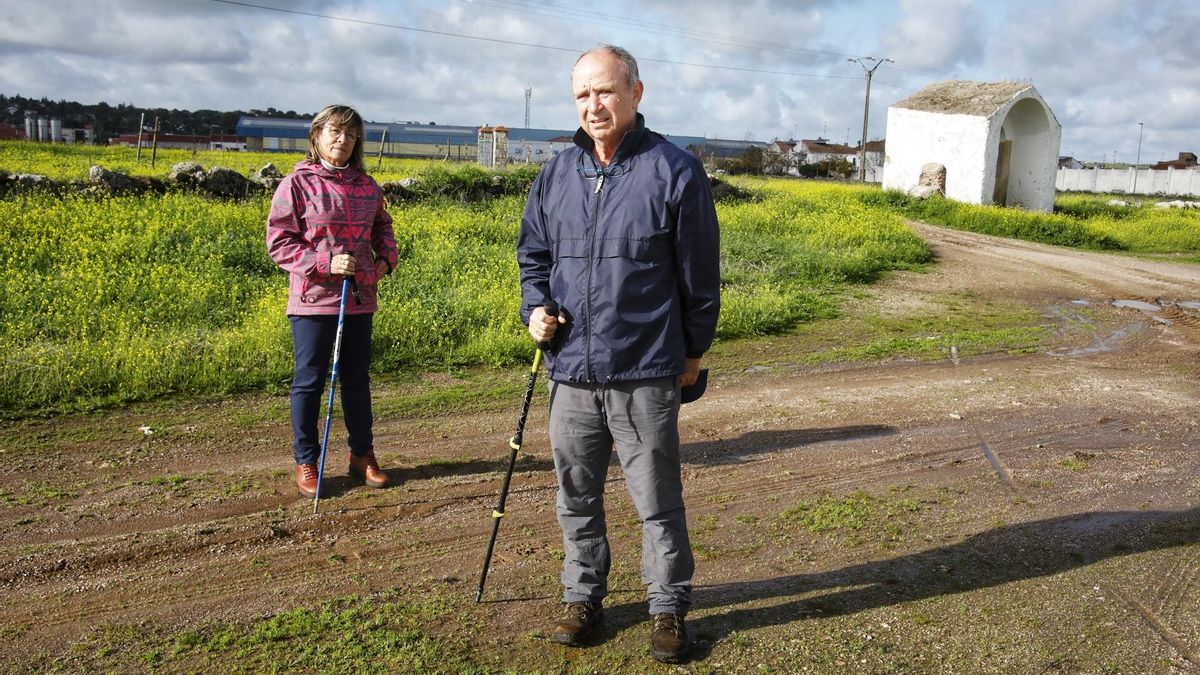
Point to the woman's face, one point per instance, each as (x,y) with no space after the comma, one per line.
(335,144)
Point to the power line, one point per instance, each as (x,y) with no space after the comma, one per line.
(570,13)
(567,13)
(518,43)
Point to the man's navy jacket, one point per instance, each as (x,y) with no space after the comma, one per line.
(631,255)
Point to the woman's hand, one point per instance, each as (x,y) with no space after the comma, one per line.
(342,265)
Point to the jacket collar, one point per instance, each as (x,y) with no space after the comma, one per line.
(629,142)
(349,173)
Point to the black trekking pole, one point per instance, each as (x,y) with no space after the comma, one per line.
(514,443)
(337,353)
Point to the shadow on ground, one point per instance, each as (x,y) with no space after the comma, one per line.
(991,558)
(733,450)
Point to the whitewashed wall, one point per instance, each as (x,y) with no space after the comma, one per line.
(968,146)
(1121,181)
(916,138)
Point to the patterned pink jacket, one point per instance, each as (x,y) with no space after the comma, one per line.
(317,214)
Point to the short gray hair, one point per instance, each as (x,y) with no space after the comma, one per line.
(623,55)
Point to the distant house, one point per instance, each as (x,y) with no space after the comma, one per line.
(781,158)
(781,147)
(998,142)
(1187,160)
(876,151)
(819,150)
(1069,163)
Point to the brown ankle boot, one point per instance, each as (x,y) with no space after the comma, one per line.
(576,623)
(306,479)
(365,468)
(669,641)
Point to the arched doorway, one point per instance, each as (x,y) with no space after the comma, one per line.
(1025,136)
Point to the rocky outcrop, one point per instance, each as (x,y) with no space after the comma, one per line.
(227,183)
(186,176)
(268,177)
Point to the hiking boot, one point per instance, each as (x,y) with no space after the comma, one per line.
(366,469)
(306,479)
(576,623)
(669,641)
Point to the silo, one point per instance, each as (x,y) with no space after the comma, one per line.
(43,133)
(30,126)
(55,130)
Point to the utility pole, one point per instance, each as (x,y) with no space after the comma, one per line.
(870,71)
(141,127)
(1137,161)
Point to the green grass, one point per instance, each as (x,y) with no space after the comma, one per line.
(386,631)
(1081,221)
(855,518)
(115,300)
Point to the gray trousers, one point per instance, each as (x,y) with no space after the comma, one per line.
(641,420)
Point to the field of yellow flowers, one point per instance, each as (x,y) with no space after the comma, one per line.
(126,298)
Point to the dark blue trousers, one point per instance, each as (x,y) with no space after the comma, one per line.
(312,343)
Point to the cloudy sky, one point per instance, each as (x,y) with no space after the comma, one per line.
(760,69)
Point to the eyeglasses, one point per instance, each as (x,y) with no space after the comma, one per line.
(593,172)
(348,134)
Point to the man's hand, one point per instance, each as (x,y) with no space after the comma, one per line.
(542,326)
(382,268)
(688,378)
(342,265)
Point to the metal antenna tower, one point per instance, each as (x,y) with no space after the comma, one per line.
(528,95)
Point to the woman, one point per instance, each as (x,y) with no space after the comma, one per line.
(328,222)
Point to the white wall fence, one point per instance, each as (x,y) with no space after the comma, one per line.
(1129,181)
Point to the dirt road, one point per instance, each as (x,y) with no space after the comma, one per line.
(1024,513)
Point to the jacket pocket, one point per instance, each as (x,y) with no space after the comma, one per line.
(650,249)
(570,248)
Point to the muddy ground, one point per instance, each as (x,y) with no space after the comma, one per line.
(998,513)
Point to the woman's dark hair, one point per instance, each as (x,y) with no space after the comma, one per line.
(342,117)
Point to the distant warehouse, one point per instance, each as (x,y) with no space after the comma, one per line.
(425,141)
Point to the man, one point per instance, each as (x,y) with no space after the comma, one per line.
(621,232)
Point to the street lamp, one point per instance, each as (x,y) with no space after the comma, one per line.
(1137,161)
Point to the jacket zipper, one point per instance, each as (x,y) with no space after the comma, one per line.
(591,266)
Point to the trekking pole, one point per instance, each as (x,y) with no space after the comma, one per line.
(515,444)
(337,352)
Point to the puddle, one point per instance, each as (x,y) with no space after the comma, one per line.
(1102,344)
(1137,304)
(1085,303)
(1188,304)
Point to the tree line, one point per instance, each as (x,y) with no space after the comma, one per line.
(109,121)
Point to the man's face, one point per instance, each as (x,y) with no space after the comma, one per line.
(606,103)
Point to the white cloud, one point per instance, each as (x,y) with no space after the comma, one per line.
(940,34)
(1102,65)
